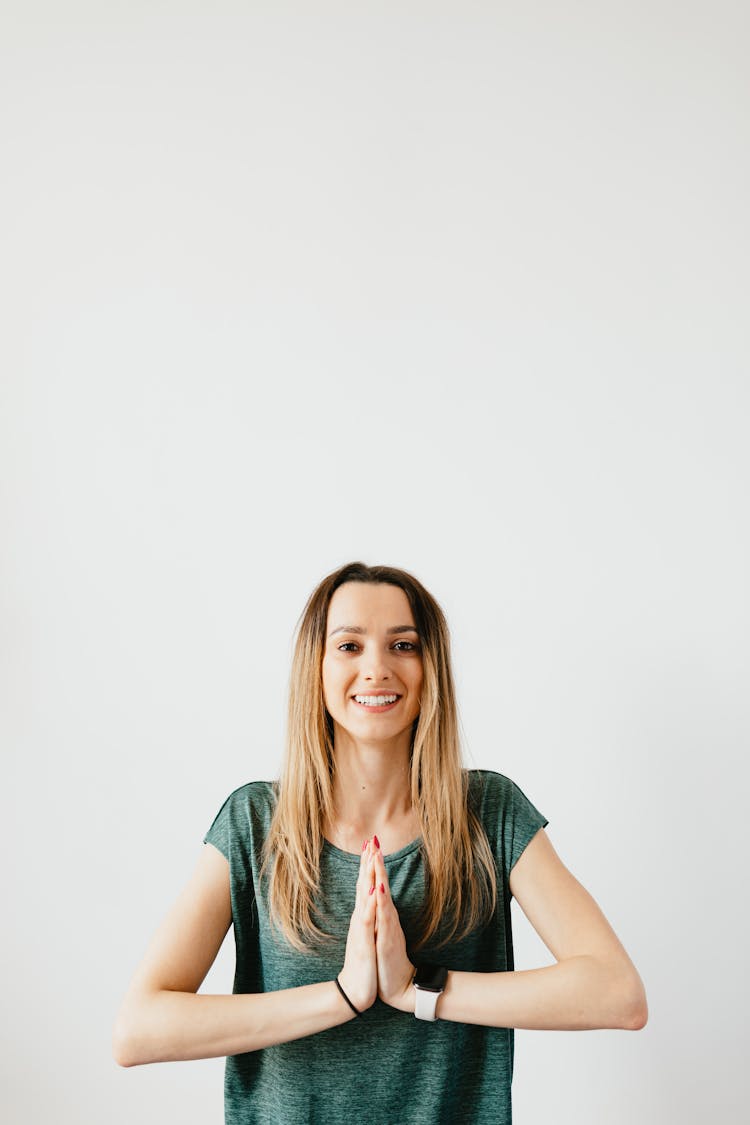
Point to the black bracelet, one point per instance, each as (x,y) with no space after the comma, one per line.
(355,1010)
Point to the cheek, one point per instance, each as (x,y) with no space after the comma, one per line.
(325,680)
(329,679)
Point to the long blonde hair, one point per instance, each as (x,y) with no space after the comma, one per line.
(461,883)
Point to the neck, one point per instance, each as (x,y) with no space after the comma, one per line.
(371,790)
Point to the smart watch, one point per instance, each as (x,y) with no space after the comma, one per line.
(429,983)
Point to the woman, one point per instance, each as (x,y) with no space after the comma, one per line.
(370,896)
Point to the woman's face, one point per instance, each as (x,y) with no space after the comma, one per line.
(372,649)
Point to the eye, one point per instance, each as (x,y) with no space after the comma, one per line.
(349,646)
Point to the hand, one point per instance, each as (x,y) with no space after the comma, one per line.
(359,976)
(394,969)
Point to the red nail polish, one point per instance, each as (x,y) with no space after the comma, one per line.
(372,888)
(376,842)
(364,845)
(382,889)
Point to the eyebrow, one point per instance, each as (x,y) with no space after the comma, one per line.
(359,629)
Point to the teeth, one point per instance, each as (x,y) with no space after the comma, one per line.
(375,700)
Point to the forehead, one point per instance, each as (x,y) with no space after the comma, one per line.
(357,603)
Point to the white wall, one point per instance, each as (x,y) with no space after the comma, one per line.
(459,287)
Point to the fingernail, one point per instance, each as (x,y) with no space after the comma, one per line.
(382,889)
(372,888)
(364,844)
(376,842)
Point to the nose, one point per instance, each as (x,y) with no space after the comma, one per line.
(375,665)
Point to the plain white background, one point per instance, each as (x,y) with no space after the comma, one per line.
(458,287)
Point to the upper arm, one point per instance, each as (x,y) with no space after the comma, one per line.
(186,943)
(560,909)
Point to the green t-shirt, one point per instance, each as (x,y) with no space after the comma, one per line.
(385,1066)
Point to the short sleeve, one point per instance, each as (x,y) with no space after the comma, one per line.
(508,817)
(219,832)
(239,830)
(521,826)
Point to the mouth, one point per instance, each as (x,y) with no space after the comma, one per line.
(377,702)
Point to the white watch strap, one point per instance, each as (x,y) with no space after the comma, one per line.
(424,1008)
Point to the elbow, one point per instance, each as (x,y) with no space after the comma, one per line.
(121,1057)
(124,1045)
(634,1007)
(122,1051)
(637,1016)
(127,1037)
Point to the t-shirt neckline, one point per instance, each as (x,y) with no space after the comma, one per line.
(353,858)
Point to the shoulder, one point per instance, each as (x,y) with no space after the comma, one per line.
(253,793)
(503,806)
(490,788)
(247,809)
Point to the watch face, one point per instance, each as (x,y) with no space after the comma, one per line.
(431,977)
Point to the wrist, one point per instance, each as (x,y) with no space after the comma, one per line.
(408,996)
(347,999)
(355,997)
(429,985)
(403,999)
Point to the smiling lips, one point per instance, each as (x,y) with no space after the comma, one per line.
(378,701)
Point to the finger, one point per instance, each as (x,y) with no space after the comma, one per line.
(385,907)
(366,879)
(387,914)
(382,892)
(364,856)
(359,882)
(364,860)
(381,874)
(370,902)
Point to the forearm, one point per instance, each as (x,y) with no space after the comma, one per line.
(168,1026)
(575,994)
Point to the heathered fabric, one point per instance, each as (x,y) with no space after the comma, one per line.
(385,1066)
